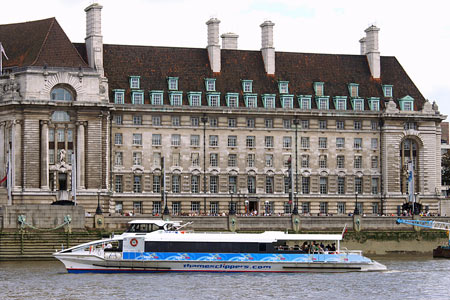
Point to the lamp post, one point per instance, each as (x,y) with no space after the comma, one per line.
(232,211)
(356,212)
(414,203)
(166,209)
(204,119)
(295,211)
(98,211)
(246,206)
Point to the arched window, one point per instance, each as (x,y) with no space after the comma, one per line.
(409,151)
(62,94)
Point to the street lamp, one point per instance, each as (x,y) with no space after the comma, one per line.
(98,211)
(166,209)
(356,212)
(414,203)
(295,211)
(232,211)
(246,206)
(204,119)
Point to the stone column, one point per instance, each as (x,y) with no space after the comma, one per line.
(3,157)
(17,154)
(80,156)
(44,155)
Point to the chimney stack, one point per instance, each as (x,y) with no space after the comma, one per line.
(213,44)
(229,40)
(267,48)
(372,52)
(94,38)
(362,43)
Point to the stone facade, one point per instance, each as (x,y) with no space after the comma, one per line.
(339,156)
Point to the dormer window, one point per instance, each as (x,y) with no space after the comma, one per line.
(213,99)
(137,97)
(176,98)
(319,88)
(61,93)
(358,104)
(195,98)
(269,100)
(156,97)
(304,102)
(353,89)
(283,87)
(247,86)
(322,103)
(406,103)
(232,99)
(119,96)
(374,104)
(172,83)
(287,101)
(251,100)
(135,82)
(387,91)
(210,84)
(340,102)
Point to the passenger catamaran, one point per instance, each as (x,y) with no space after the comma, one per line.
(163,246)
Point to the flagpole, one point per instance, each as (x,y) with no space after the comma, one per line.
(9,178)
(74,178)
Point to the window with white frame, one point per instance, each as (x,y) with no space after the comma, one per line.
(118,140)
(214,100)
(137,158)
(374,162)
(172,83)
(410,126)
(175,121)
(232,141)
(353,90)
(406,103)
(176,99)
(213,140)
(374,104)
(137,97)
(232,184)
(137,183)
(341,188)
(287,101)
(214,208)
(305,185)
(247,86)
(156,208)
(283,87)
(323,103)
(156,97)
(175,159)
(232,160)
(210,84)
(323,208)
(357,125)
(251,160)
(251,101)
(156,184)
(118,159)
(250,141)
(137,139)
(268,141)
(306,207)
(118,119)
(251,184)
(304,142)
(269,160)
(269,185)
(304,124)
(195,184)
(195,140)
(232,99)
(305,161)
(287,207)
(318,88)
(118,184)
(175,140)
(287,142)
(340,161)
(213,184)
(374,143)
(119,96)
(176,183)
(195,121)
(195,99)
(357,162)
(340,142)
(322,143)
(214,159)
(268,123)
(305,103)
(250,123)
(341,103)
(287,124)
(323,185)
(357,143)
(374,186)
(156,159)
(137,120)
(195,159)
(269,101)
(134,82)
(213,122)
(322,124)
(387,91)
(322,161)
(156,120)
(358,185)
(195,207)
(156,139)
(340,125)
(374,125)
(358,104)
(232,122)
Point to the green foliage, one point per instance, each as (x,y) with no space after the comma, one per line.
(446,168)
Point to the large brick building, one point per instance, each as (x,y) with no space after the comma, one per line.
(226,121)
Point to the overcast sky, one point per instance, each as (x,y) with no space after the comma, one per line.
(416,32)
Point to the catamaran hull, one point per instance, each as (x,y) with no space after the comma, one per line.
(95,264)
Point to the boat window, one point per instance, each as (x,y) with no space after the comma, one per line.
(143,228)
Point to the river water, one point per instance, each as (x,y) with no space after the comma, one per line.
(408,278)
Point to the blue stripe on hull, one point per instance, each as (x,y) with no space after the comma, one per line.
(114,271)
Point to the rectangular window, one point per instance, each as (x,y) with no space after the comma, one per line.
(195,99)
(374,143)
(137,120)
(410,126)
(232,100)
(287,142)
(341,185)
(387,89)
(213,122)
(305,124)
(176,183)
(322,124)
(268,123)
(305,161)
(357,125)
(323,208)
(251,101)
(340,125)
(195,159)
(138,207)
(119,207)
(232,160)
(172,83)
(306,207)
(176,99)
(214,159)
(357,143)
(250,160)
(118,119)
(51,156)
(156,209)
(323,185)
(195,121)
(214,100)
(247,86)
(322,143)
(323,103)
(51,135)
(118,160)
(374,162)
(375,209)
(195,184)
(287,102)
(138,97)
(322,161)
(269,160)
(195,207)
(358,185)
(137,139)
(408,105)
(374,105)
(232,141)
(268,141)
(269,101)
(156,184)
(156,159)
(210,84)
(318,88)
(137,188)
(232,122)
(305,185)
(213,140)
(283,87)
(357,163)
(304,142)
(269,185)
(287,184)
(137,159)
(250,141)
(358,104)
(60,134)
(175,121)
(374,125)
(340,142)
(250,123)
(214,208)
(118,186)
(176,159)
(156,120)
(287,124)
(305,103)
(341,208)
(340,161)
(195,140)
(156,139)
(251,184)
(176,208)
(176,140)
(213,184)
(374,186)
(341,104)
(134,82)
(119,97)
(157,98)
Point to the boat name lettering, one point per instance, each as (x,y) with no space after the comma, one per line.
(224,266)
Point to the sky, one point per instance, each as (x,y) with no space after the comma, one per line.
(416,32)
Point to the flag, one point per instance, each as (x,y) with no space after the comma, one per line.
(74,178)
(2,52)
(344,231)
(6,176)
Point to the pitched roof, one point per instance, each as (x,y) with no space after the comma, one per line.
(38,43)
(191,66)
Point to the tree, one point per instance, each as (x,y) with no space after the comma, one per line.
(445,163)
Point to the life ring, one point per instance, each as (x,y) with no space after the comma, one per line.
(134,242)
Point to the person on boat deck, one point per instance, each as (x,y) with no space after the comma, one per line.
(333,247)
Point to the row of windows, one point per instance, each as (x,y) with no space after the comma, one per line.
(305,184)
(267,208)
(250,141)
(232,160)
(250,122)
